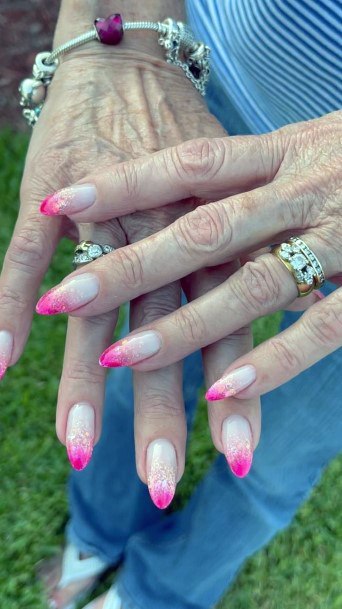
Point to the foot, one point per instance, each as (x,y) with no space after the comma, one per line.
(50,572)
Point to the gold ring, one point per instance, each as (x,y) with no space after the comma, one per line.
(302,263)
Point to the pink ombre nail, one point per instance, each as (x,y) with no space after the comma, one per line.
(69,295)
(319,295)
(238,444)
(161,472)
(69,200)
(80,435)
(131,350)
(6,347)
(231,384)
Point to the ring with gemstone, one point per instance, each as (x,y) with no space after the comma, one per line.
(88,251)
(302,263)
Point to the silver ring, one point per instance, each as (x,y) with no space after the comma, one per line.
(88,251)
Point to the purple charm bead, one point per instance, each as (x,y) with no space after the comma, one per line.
(110,30)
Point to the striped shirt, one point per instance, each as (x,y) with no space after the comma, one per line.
(279,61)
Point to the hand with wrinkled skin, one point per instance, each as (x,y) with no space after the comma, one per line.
(290,184)
(92,119)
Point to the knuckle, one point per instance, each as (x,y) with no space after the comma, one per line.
(48,169)
(129,175)
(160,404)
(153,306)
(79,370)
(323,325)
(12,300)
(257,290)
(288,358)
(205,230)
(27,247)
(129,259)
(191,325)
(199,159)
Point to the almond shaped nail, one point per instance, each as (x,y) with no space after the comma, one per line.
(69,295)
(161,472)
(69,200)
(6,348)
(231,384)
(80,435)
(131,350)
(238,444)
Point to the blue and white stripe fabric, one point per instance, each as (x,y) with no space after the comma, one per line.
(279,61)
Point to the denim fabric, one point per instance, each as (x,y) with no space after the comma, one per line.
(187,559)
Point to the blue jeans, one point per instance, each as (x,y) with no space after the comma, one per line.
(187,559)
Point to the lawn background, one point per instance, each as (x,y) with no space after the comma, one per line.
(301,568)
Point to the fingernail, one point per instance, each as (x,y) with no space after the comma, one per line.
(131,350)
(232,383)
(161,472)
(69,295)
(238,444)
(319,295)
(69,200)
(6,347)
(80,435)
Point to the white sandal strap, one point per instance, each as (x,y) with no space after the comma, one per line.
(75,569)
(113,600)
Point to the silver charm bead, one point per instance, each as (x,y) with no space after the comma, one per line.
(88,251)
(32,91)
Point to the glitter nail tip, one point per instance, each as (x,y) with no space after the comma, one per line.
(131,350)
(162,472)
(161,495)
(238,445)
(78,456)
(231,384)
(69,295)
(69,200)
(6,347)
(80,435)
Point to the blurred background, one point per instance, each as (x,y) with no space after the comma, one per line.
(301,568)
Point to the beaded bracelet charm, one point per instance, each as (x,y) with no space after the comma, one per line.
(181,49)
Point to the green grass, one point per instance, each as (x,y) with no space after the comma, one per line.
(301,568)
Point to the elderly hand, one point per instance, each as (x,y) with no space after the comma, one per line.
(290,184)
(104,106)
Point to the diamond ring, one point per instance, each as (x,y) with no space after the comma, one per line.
(87,251)
(302,263)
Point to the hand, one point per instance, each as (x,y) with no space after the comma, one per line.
(292,185)
(103,108)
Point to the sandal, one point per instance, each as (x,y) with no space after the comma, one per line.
(112,601)
(75,569)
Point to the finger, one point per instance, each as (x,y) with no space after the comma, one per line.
(160,425)
(160,431)
(81,390)
(315,335)
(302,304)
(258,288)
(208,236)
(205,168)
(27,259)
(234,425)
